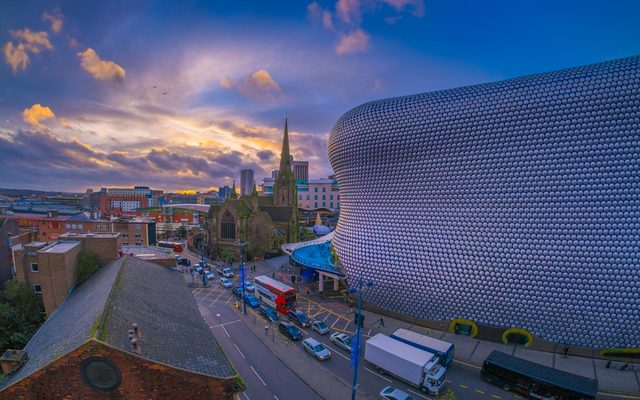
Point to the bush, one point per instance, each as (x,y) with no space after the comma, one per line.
(88,264)
(20,297)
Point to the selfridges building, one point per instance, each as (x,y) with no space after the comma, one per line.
(510,204)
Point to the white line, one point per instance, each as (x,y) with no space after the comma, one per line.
(418,394)
(327,316)
(225,331)
(237,348)
(226,323)
(338,353)
(245,395)
(254,371)
(380,376)
(275,397)
(335,322)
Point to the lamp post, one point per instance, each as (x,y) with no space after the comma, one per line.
(355,353)
(241,244)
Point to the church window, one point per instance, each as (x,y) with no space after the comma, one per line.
(227,226)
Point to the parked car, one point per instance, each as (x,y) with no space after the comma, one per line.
(341,340)
(251,300)
(268,313)
(199,269)
(209,275)
(225,282)
(299,318)
(248,286)
(227,273)
(289,330)
(320,327)
(237,290)
(391,393)
(184,261)
(316,349)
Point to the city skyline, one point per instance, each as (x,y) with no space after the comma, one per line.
(184,96)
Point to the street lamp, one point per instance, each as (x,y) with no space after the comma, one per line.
(241,244)
(355,352)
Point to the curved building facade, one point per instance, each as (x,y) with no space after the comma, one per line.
(512,204)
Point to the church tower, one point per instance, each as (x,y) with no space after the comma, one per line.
(284,188)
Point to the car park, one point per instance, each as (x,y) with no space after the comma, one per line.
(225,282)
(268,313)
(209,275)
(290,330)
(341,340)
(391,393)
(251,300)
(237,290)
(320,327)
(227,273)
(316,349)
(299,318)
(248,286)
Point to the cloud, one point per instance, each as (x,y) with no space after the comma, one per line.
(354,42)
(56,18)
(259,85)
(315,12)
(100,69)
(17,57)
(349,11)
(226,82)
(400,5)
(35,114)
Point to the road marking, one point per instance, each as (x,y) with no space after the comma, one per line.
(375,373)
(226,323)
(238,348)
(479,391)
(225,331)
(495,396)
(275,397)
(327,316)
(338,353)
(418,394)
(245,395)
(335,322)
(254,371)
(463,386)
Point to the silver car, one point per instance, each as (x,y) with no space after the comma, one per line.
(316,349)
(391,393)
(320,327)
(341,340)
(225,282)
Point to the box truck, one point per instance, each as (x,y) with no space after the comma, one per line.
(444,350)
(418,368)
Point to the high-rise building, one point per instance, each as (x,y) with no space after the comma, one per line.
(246,182)
(300,170)
(274,174)
(224,192)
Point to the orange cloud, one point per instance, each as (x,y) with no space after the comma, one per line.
(56,19)
(353,42)
(349,11)
(399,5)
(35,114)
(226,82)
(33,41)
(17,57)
(100,69)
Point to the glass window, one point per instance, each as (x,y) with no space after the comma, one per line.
(315,205)
(330,197)
(79,226)
(315,197)
(34,267)
(68,226)
(74,226)
(308,197)
(324,204)
(324,189)
(37,289)
(331,205)
(324,197)
(315,189)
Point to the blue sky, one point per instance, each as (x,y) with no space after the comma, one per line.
(82,84)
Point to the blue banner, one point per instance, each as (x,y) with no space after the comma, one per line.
(242,274)
(355,351)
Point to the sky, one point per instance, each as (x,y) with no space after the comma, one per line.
(183,95)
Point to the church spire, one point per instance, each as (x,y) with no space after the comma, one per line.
(285,156)
(234,195)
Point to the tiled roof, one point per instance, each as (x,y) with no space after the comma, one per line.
(278,214)
(124,292)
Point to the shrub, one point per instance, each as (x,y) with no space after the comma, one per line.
(88,264)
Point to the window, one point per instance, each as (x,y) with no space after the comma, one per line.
(324,204)
(299,197)
(324,197)
(315,189)
(137,227)
(37,289)
(330,197)
(73,226)
(308,197)
(68,226)
(227,226)
(79,226)
(324,189)
(33,267)
(138,235)
(125,235)
(315,197)
(315,205)
(101,374)
(331,205)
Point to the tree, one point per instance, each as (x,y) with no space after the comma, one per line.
(20,297)
(182,232)
(88,264)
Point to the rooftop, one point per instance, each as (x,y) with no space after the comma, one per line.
(60,247)
(73,235)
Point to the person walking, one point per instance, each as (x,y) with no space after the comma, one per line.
(381,323)
(565,352)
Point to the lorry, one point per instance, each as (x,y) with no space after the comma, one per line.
(444,350)
(414,366)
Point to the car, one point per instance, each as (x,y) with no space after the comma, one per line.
(225,282)
(251,300)
(320,327)
(209,275)
(184,261)
(391,393)
(199,269)
(290,330)
(227,273)
(299,318)
(268,313)
(219,270)
(341,340)
(237,290)
(316,349)
(248,286)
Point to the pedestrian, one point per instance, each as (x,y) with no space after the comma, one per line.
(381,324)
(565,352)
(608,364)
(266,329)
(625,366)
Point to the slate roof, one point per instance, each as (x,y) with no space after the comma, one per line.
(278,214)
(82,217)
(124,292)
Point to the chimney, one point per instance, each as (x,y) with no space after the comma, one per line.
(12,360)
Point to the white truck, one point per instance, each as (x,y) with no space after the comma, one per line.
(440,348)
(419,368)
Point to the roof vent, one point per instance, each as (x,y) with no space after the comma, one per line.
(12,360)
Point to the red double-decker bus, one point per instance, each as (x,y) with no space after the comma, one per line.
(275,293)
(176,246)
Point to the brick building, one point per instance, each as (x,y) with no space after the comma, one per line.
(8,230)
(135,232)
(120,337)
(50,268)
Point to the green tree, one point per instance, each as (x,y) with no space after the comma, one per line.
(14,328)
(182,232)
(19,296)
(88,264)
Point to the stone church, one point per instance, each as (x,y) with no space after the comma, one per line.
(266,222)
